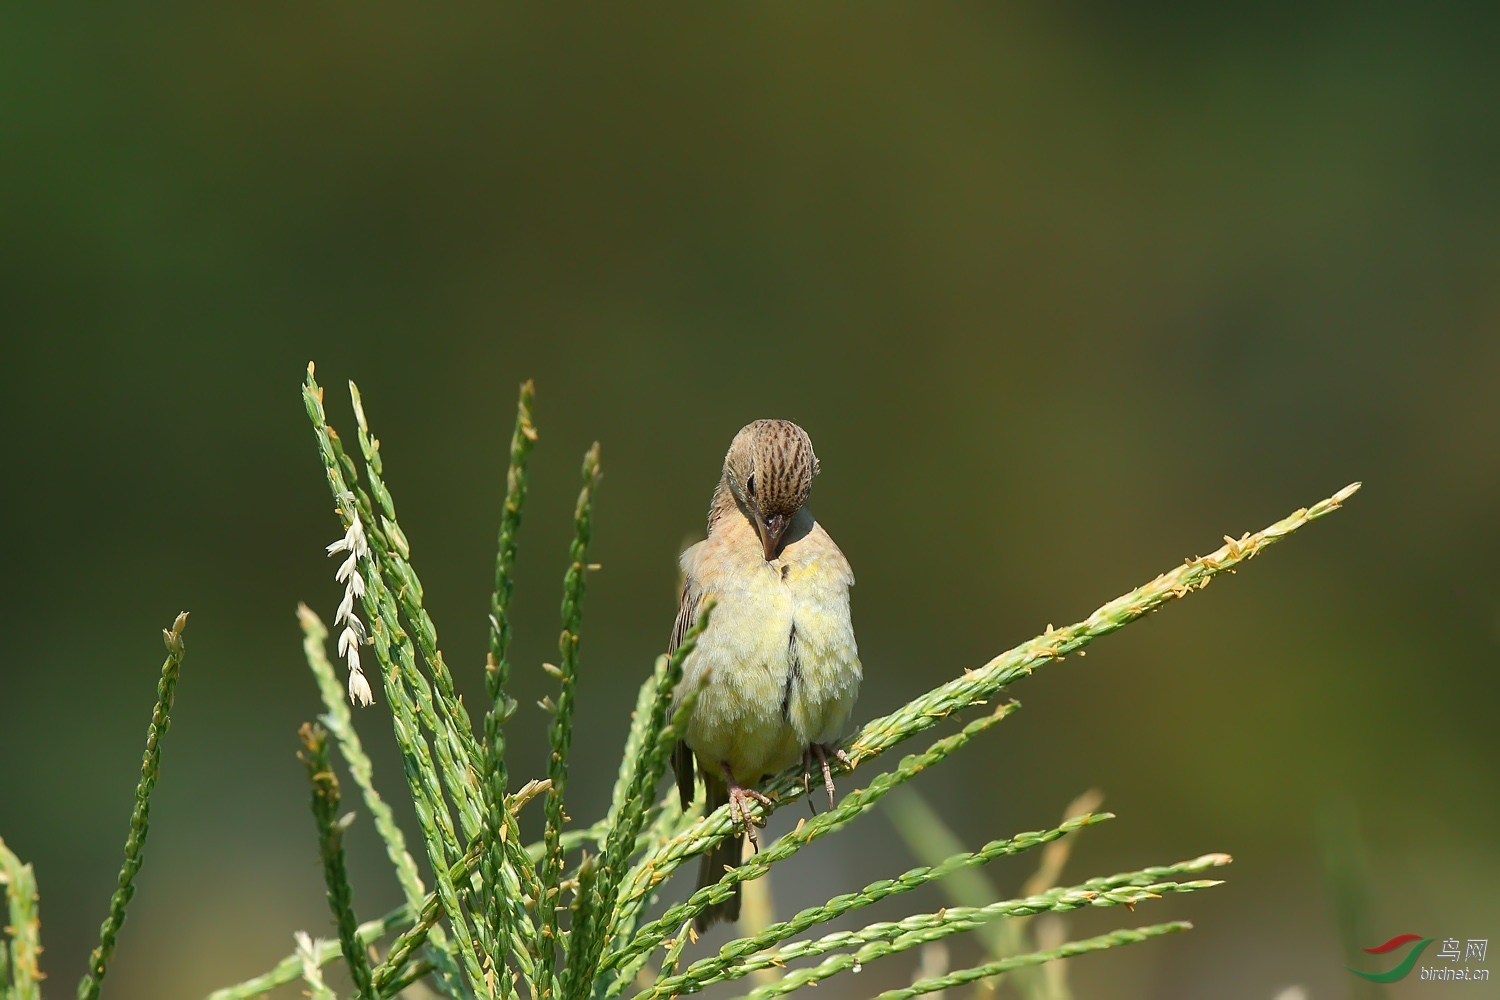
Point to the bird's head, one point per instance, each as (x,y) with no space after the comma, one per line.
(769,469)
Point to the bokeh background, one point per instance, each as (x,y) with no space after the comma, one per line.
(1063,293)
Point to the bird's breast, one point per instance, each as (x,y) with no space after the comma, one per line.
(778,666)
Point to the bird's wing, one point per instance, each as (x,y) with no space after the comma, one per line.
(687,614)
(682,757)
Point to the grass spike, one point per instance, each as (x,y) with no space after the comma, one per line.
(501,832)
(325,809)
(24,927)
(728,963)
(453,724)
(408,694)
(135,842)
(560,732)
(646,764)
(880,940)
(1113,939)
(312,969)
(292,968)
(339,721)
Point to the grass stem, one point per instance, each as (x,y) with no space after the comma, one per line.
(560,732)
(325,809)
(135,842)
(24,926)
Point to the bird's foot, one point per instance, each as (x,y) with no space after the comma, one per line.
(739,806)
(822,751)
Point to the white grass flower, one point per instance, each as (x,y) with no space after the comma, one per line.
(359,689)
(357,545)
(349,642)
(308,954)
(307,951)
(354,538)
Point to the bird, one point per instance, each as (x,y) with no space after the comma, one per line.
(777,671)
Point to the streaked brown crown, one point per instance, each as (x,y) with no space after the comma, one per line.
(770,467)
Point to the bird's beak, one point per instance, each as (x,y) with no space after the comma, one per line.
(772,526)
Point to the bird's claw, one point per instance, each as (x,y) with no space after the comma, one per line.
(822,751)
(739,807)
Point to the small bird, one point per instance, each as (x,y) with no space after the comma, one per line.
(778,670)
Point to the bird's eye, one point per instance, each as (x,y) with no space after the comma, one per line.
(750,485)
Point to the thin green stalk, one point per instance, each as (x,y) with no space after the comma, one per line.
(312,971)
(852,805)
(584,912)
(560,733)
(1148,876)
(412,938)
(325,809)
(879,940)
(648,763)
(291,968)
(669,822)
(1050,866)
(340,723)
(977,686)
(885,938)
(641,719)
(406,945)
(1104,941)
(930,840)
(411,974)
(25,926)
(571,841)
(407,691)
(725,965)
(432,813)
(459,754)
(135,842)
(1018,936)
(457,730)
(666,820)
(501,832)
(316,988)
(675,947)
(412,690)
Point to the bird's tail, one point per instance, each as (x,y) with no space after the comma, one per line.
(727,853)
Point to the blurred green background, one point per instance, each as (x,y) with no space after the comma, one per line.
(1062,292)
